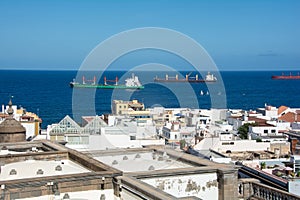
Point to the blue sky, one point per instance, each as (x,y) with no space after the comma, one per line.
(239,35)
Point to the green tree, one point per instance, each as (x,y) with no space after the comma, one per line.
(263,165)
(244,129)
(182,144)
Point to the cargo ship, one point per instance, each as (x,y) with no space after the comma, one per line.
(287,77)
(208,78)
(130,83)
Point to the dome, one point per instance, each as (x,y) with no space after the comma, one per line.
(10,129)
(10,125)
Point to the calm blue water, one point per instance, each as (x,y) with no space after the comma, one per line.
(48,94)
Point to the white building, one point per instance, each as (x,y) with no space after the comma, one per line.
(97,135)
(269,111)
(263,131)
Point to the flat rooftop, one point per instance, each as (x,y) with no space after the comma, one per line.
(141,161)
(46,169)
(39,168)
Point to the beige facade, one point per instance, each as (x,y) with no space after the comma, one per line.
(123,107)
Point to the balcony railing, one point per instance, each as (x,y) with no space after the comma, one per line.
(252,188)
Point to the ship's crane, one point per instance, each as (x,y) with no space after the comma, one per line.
(115,80)
(84,80)
(189,74)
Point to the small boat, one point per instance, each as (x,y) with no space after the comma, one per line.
(130,83)
(201,93)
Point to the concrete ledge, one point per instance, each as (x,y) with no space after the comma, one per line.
(171,172)
(149,191)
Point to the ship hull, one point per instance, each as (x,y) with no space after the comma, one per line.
(285,77)
(183,80)
(78,85)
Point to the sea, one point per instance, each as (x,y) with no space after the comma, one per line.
(48,93)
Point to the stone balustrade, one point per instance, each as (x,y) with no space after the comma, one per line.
(249,188)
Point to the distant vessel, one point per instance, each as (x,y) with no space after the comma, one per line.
(202,93)
(287,76)
(130,83)
(208,78)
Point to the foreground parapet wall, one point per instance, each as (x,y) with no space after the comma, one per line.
(72,172)
(182,176)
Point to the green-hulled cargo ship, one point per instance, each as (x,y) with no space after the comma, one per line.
(130,83)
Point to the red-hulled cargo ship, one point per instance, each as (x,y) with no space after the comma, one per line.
(290,76)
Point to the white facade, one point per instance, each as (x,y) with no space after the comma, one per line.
(171,134)
(223,126)
(218,145)
(30,129)
(225,136)
(262,131)
(269,111)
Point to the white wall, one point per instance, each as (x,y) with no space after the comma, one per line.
(30,129)
(294,187)
(203,186)
(242,145)
(273,113)
(260,130)
(102,142)
(283,125)
(218,114)
(225,127)
(226,136)
(233,146)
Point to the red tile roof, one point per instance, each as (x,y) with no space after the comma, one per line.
(290,117)
(259,121)
(281,109)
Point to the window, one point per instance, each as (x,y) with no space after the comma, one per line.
(227,143)
(273,131)
(265,131)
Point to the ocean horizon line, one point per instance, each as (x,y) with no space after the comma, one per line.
(154,70)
